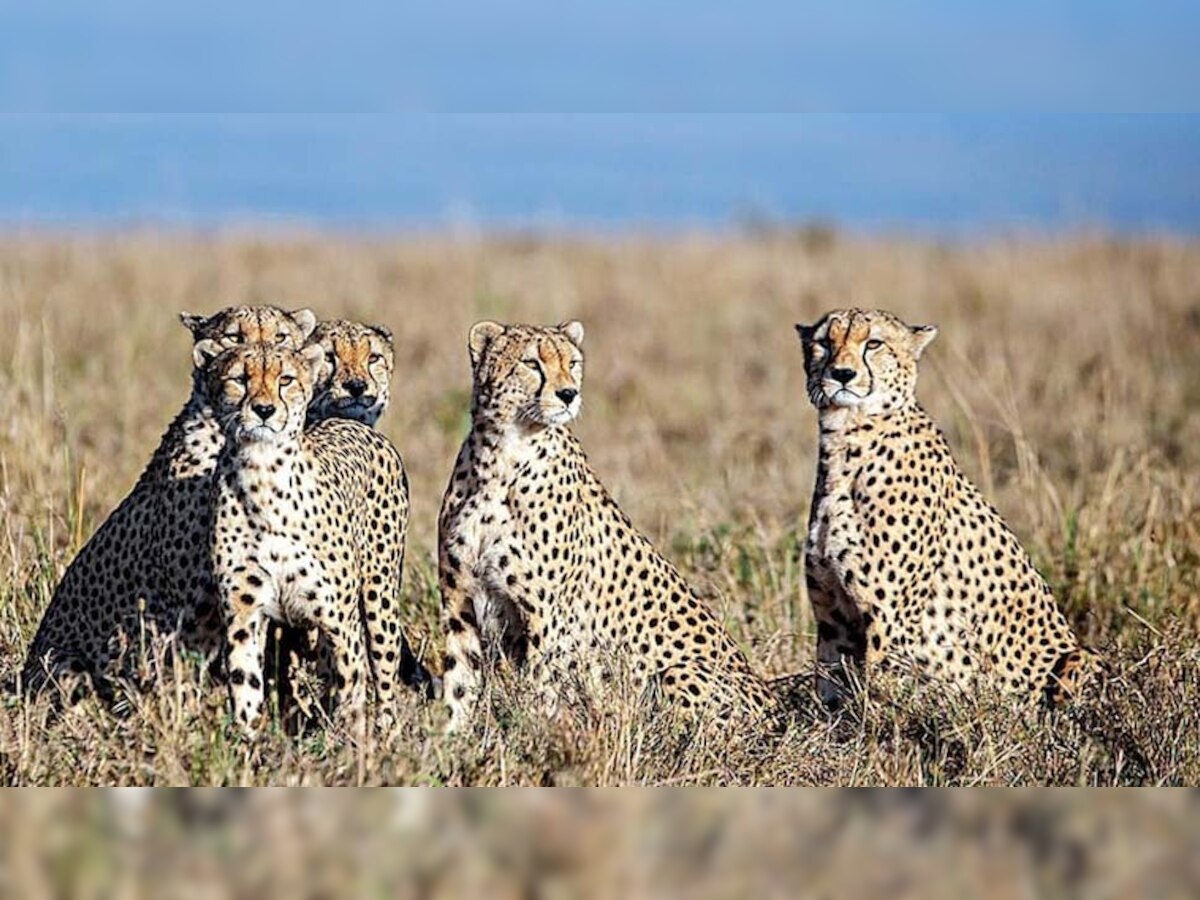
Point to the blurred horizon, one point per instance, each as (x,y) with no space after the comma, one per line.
(946,175)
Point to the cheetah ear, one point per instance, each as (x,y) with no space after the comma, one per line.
(306,321)
(384,332)
(193,322)
(314,358)
(482,334)
(922,336)
(574,331)
(204,352)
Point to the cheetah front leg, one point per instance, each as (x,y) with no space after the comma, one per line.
(463,662)
(391,657)
(861,601)
(341,622)
(246,596)
(841,642)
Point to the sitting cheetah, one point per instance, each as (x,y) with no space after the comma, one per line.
(146,570)
(357,380)
(355,384)
(308,525)
(536,559)
(905,561)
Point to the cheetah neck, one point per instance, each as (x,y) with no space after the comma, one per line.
(843,427)
(260,473)
(499,449)
(845,431)
(196,414)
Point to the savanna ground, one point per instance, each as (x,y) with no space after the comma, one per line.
(1066,376)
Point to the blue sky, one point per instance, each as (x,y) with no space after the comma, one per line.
(619,55)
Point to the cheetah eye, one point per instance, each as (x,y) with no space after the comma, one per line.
(280,338)
(234,336)
(533,364)
(374,358)
(285,380)
(874,344)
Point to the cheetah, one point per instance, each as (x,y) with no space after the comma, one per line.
(357,384)
(308,527)
(146,571)
(538,564)
(906,564)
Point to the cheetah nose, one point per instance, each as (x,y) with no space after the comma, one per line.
(566,395)
(356,387)
(264,410)
(844,376)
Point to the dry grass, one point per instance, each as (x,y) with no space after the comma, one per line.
(1066,377)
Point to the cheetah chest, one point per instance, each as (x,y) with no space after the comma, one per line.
(266,534)
(484,535)
(488,548)
(830,535)
(298,576)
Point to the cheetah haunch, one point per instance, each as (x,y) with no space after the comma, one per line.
(536,560)
(907,565)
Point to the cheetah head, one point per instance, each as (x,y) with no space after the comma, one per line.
(260,392)
(527,375)
(863,359)
(237,325)
(358,367)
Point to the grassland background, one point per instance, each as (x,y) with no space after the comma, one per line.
(1067,377)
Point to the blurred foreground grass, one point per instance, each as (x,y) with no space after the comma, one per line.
(662,844)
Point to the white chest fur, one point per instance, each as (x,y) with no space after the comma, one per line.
(482,523)
(483,530)
(263,505)
(833,520)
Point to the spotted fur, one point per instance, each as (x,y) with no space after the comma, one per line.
(538,563)
(907,565)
